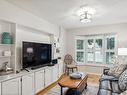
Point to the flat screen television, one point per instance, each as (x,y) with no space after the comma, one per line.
(36,54)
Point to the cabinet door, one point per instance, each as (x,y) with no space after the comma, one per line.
(39,80)
(48,76)
(61,66)
(11,87)
(28,84)
(55,73)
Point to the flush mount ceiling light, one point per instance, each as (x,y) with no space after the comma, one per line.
(86,13)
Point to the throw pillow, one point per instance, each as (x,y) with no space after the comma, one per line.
(117,70)
(123,81)
(124,93)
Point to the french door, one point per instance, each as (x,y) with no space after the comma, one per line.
(94,49)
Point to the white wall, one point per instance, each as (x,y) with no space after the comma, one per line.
(119,29)
(36,29)
(15,14)
(63,42)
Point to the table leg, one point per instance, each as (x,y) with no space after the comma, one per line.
(86,86)
(61,90)
(72,70)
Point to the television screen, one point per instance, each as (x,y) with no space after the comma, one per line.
(35,54)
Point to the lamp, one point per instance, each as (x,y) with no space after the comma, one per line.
(85,13)
(122,52)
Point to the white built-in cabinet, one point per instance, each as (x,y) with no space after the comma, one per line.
(12,87)
(33,81)
(39,80)
(48,76)
(28,84)
(55,73)
(60,67)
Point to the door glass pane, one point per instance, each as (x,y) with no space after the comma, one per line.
(111,43)
(80,57)
(90,57)
(90,43)
(109,57)
(80,44)
(98,57)
(98,43)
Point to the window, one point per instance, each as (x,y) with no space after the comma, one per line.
(110,49)
(80,50)
(98,49)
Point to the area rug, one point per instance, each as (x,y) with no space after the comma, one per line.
(91,90)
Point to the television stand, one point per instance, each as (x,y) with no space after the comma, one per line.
(26,69)
(36,67)
(50,65)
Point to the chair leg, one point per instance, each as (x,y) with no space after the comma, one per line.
(68,71)
(72,70)
(77,69)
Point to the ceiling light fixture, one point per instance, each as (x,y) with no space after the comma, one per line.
(86,13)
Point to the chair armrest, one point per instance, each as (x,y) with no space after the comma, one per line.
(109,79)
(105,70)
(114,79)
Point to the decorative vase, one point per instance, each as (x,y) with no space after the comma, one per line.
(6,38)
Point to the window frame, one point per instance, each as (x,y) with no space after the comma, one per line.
(76,50)
(103,50)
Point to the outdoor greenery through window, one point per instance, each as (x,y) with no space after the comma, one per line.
(97,49)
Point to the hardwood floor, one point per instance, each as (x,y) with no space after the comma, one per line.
(92,78)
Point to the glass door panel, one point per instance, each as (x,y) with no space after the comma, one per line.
(90,57)
(111,43)
(80,44)
(80,56)
(98,57)
(109,57)
(98,44)
(90,43)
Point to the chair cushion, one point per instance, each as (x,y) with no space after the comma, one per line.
(104,92)
(71,66)
(117,70)
(115,87)
(123,81)
(105,85)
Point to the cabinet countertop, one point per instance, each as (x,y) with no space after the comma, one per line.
(20,74)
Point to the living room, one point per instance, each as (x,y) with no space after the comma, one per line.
(63,47)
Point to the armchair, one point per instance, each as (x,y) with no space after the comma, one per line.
(70,65)
(113,85)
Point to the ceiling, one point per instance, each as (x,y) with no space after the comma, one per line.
(63,12)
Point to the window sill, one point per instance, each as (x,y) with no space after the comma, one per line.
(95,65)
